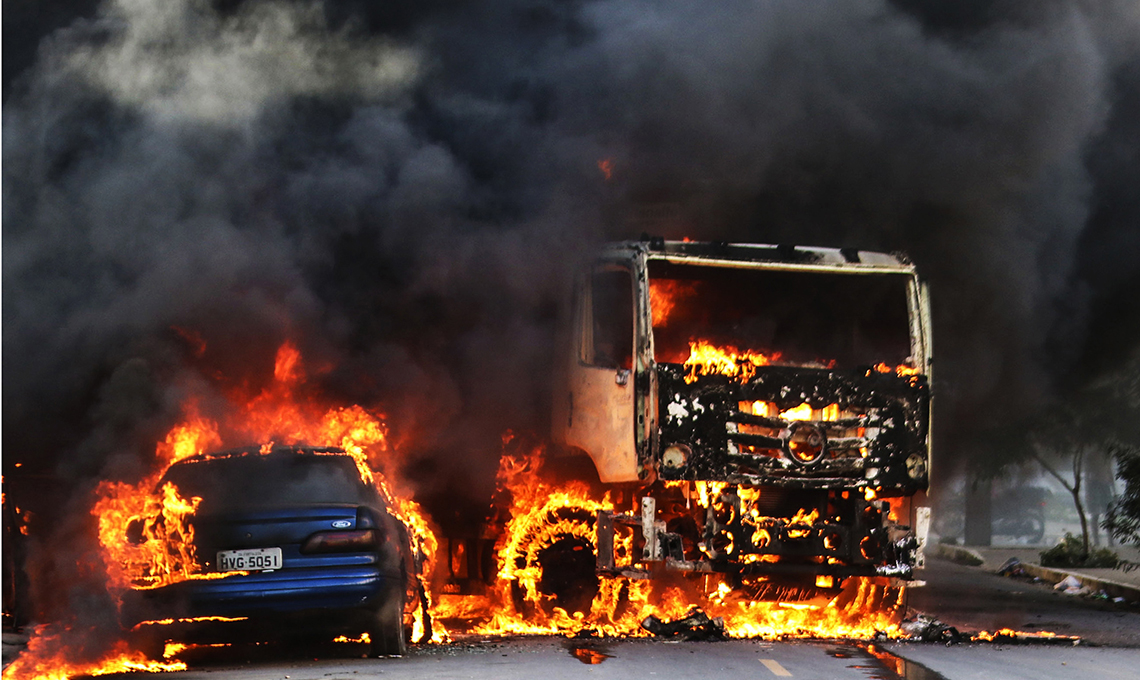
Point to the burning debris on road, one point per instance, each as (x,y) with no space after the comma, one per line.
(696,625)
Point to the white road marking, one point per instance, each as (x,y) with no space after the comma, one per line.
(776,668)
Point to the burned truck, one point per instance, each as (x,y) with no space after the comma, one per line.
(762,412)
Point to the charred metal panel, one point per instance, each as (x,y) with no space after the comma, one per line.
(887,415)
(598,415)
(841,536)
(601,421)
(645,381)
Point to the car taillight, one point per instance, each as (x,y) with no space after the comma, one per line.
(364,518)
(340,541)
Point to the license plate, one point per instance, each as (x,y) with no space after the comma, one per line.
(253,559)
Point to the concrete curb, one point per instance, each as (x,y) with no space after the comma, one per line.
(959,555)
(1111,588)
(962,555)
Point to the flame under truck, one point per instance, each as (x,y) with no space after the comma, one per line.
(762,411)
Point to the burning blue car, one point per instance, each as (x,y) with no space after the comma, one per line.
(310,548)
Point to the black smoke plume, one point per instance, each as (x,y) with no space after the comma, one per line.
(404,188)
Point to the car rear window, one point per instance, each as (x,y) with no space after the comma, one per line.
(270,480)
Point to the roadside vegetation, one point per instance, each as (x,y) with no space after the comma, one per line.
(1122,521)
(1071,552)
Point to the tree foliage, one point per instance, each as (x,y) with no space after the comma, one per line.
(1123,517)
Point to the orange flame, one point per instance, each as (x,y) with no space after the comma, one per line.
(664,295)
(30,665)
(543,512)
(194,619)
(147,534)
(606,165)
(902,370)
(163,550)
(287,367)
(708,359)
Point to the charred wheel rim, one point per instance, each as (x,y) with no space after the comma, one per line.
(557,558)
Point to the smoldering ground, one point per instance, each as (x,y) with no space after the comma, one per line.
(404,189)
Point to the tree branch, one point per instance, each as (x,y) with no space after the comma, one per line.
(1049,468)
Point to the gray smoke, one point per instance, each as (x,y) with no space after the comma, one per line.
(405,188)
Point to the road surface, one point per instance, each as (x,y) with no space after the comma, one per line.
(561,659)
(968,598)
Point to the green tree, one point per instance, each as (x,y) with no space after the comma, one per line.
(1062,441)
(1123,517)
(1092,424)
(1099,420)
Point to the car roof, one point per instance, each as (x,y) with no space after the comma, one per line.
(274,451)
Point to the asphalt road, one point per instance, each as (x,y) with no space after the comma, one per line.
(971,598)
(968,598)
(561,659)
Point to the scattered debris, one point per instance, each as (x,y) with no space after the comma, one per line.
(696,625)
(925,628)
(929,629)
(1070,585)
(1011,567)
(1010,636)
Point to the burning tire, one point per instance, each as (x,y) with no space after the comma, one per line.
(416,610)
(554,562)
(568,573)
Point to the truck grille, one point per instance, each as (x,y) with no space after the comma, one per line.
(845,433)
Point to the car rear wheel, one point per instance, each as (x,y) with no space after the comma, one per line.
(387,630)
(150,642)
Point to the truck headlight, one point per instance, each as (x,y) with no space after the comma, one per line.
(675,456)
(916,466)
(806,443)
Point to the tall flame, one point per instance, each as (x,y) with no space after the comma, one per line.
(665,295)
(147,534)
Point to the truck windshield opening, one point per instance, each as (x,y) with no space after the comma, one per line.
(820,320)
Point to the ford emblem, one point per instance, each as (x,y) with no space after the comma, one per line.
(341,524)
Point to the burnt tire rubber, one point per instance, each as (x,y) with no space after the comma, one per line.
(386,634)
(569,574)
